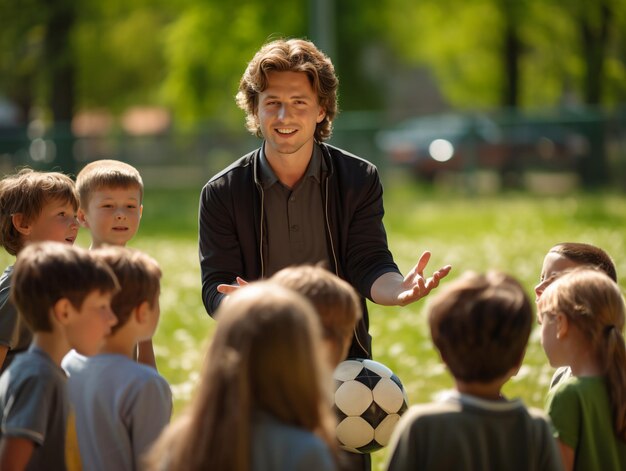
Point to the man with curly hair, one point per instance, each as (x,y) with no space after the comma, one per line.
(297,200)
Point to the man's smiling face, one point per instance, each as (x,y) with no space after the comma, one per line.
(288,113)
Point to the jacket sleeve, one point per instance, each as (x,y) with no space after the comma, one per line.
(367,254)
(220,255)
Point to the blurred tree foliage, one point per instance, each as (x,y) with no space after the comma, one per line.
(207,46)
(563,49)
(118,47)
(188,55)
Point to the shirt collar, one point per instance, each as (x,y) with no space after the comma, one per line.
(314,169)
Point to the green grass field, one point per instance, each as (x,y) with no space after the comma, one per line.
(510,232)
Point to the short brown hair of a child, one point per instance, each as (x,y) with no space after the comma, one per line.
(335,300)
(46,272)
(26,193)
(106,173)
(480,323)
(139,276)
(586,254)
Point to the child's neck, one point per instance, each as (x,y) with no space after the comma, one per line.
(122,342)
(54,345)
(585,365)
(491,391)
(581,359)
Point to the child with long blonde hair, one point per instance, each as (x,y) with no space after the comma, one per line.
(582,325)
(264,397)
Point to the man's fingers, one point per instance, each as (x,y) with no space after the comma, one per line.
(226,289)
(418,269)
(422,262)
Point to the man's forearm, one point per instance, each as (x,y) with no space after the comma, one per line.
(386,288)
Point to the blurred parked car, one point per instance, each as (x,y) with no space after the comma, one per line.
(507,142)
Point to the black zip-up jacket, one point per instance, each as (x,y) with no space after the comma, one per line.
(231,229)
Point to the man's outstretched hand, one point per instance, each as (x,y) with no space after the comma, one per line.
(391,289)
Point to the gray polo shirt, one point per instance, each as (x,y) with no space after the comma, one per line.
(295,226)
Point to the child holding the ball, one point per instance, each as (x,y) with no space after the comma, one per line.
(263,402)
(480,325)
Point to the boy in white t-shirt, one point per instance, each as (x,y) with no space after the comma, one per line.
(121,405)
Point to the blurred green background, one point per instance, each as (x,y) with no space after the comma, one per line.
(527,98)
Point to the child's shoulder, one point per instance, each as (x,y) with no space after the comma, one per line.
(33,360)
(579,386)
(31,369)
(455,407)
(120,369)
(5,285)
(5,278)
(445,408)
(576,390)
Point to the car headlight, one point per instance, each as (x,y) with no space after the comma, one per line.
(441,150)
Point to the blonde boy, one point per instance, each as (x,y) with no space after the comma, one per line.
(130,402)
(63,293)
(111,195)
(334,300)
(480,325)
(111,202)
(34,206)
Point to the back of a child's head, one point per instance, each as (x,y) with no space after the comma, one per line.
(594,304)
(46,272)
(26,193)
(480,323)
(106,174)
(587,255)
(335,300)
(139,276)
(272,333)
(264,356)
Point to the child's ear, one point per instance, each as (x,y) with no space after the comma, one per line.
(143,312)
(82,219)
(61,310)
(140,211)
(562,325)
(21,224)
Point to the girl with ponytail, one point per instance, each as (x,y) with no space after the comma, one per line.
(582,326)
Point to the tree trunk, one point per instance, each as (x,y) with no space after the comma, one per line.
(594,33)
(512,48)
(60,64)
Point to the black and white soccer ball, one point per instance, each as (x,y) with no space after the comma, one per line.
(369,400)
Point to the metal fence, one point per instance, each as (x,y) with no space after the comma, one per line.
(581,147)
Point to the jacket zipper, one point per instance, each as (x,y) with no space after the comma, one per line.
(261,231)
(332,249)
